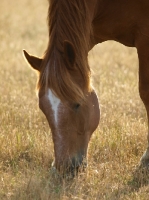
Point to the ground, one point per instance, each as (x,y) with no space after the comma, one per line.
(26,148)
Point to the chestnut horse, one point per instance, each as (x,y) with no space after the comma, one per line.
(66,96)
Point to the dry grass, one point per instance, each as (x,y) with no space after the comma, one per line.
(26,149)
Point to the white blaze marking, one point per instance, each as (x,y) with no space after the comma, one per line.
(54,101)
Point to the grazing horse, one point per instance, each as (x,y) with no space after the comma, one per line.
(66,95)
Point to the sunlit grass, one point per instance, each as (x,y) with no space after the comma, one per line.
(26,148)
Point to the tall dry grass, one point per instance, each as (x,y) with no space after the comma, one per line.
(26,149)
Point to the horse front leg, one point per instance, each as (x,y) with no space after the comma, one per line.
(142,45)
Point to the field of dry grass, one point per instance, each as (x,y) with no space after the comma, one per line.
(26,149)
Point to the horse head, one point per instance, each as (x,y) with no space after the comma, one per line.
(72,123)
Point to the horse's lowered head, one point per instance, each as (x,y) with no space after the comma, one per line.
(72,122)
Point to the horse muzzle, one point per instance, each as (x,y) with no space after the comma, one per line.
(70,167)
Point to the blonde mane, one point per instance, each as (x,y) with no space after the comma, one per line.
(68,20)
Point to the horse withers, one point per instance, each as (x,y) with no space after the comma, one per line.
(65,95)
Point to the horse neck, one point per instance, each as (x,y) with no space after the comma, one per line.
(69,20)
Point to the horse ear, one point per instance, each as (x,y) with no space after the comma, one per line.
(33,61)
(69,52)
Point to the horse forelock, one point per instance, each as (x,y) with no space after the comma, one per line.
(68,20)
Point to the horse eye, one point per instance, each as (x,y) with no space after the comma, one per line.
(77,106)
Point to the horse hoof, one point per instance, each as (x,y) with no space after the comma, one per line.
(144,163)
